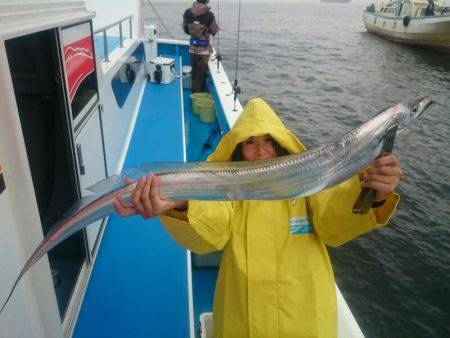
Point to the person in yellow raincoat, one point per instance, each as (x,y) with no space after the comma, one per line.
(275,278)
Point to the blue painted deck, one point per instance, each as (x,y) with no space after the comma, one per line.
(202,138)
(138,287)
(203,284)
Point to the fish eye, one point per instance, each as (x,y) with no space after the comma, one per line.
(415,110)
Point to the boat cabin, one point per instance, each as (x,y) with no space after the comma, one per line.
(411,8)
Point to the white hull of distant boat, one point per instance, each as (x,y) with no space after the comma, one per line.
(432,31)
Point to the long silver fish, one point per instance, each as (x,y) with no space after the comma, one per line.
(280,178)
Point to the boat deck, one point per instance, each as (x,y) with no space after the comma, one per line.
(137,257)
(138,287)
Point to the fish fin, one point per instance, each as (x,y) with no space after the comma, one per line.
(78,205)
(107,185)
(72,210)
(116,181)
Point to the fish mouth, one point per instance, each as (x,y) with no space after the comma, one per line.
(420,105)
(429,104)
(425,102)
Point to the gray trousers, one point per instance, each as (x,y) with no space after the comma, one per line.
(199,63)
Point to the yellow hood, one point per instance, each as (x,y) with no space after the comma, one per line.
(257,119)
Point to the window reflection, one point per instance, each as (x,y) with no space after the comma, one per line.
(80,67)
(124,79)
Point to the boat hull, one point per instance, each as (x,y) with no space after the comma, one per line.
(431,32)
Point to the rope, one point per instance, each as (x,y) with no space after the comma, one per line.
(237,44)
(218,56)
(160,20)
(218,23)
(236,88)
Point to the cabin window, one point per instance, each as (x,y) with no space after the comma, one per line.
(406,10)
(124,79)
(79,64)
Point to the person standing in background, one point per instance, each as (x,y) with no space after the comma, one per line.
(199,22)
(429,11)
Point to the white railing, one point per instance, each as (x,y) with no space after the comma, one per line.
(105,35)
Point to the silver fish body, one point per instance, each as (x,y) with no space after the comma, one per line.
(279,178)
(294,175)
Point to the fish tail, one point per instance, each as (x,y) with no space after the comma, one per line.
(12,289)
(38,253)
(57,234)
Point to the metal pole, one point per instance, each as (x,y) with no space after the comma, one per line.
(120,34)
(131,28)
(105,45)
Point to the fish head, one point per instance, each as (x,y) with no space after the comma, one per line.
(410,111)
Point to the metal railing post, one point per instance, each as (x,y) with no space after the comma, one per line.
(105,45)
(131,28)
(105,36)
(120,34)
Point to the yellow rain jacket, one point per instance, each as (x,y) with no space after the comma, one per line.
(275,278)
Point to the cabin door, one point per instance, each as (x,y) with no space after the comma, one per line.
(89,147)
(77,49)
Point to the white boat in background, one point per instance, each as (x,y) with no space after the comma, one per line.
(405,22)
(77,106)
(337,1)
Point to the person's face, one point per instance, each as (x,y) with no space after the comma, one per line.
(258,148)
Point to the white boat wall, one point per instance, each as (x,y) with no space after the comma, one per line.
(31,33)
(406,24)
(76,108)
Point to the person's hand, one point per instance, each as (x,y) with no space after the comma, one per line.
(146,200)
(383,175)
